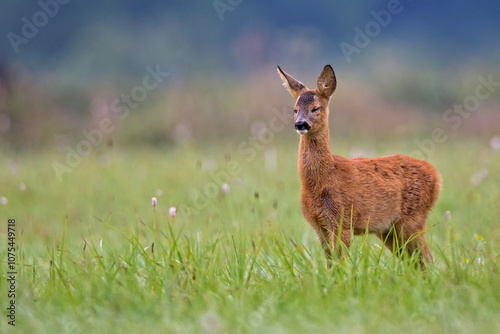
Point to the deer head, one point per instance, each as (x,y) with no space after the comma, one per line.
(311,106)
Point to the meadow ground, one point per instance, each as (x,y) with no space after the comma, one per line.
(94,256)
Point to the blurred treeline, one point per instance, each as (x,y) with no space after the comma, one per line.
(221,63)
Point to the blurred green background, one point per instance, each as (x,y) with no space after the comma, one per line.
(400,67)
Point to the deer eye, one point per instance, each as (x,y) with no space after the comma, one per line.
(294,111)
(315,110)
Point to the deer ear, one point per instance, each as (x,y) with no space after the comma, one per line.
(327,82)
(295,87)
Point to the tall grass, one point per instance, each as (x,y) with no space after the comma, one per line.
(95,256)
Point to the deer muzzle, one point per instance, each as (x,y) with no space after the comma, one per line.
(302,127)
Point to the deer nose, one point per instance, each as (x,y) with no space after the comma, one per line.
(301,126)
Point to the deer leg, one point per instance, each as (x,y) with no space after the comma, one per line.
(344,238)
(391,241)
(325,237)
(415,242)
(411,231)
(425,255)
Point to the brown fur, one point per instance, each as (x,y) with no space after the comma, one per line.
(389,196)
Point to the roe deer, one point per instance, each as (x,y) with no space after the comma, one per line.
(390,196)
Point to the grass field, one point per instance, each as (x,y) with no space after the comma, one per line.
(94,256)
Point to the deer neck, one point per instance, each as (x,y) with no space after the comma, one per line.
(315,157)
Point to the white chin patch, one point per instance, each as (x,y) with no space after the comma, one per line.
(301,132)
